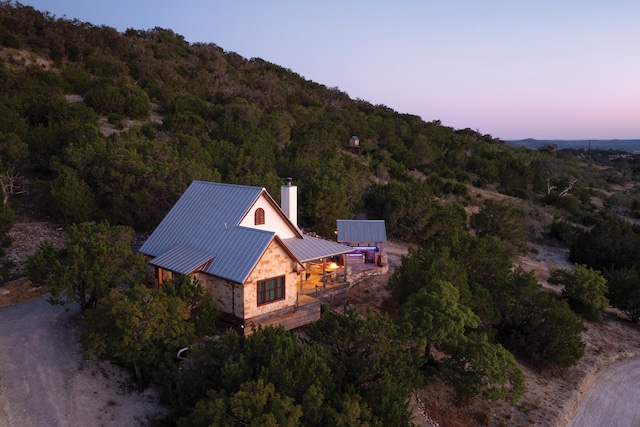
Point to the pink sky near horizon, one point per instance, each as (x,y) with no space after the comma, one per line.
(547,70)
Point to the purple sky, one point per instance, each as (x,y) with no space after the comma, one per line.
(545,69)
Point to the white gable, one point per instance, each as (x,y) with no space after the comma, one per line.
(274,219)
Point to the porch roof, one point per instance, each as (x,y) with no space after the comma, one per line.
(182,260)
(311,248)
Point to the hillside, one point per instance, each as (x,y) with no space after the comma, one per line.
(100,126)
(181,111)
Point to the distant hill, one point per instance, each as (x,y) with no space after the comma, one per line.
(630,145)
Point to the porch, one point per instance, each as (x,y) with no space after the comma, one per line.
(324,282)
(326,275)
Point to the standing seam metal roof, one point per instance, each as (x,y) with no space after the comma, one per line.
(361,230)
(205,219)
(182,260)
(311,248)
(202,230)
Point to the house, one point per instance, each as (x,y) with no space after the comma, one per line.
(246,251)
(365,237)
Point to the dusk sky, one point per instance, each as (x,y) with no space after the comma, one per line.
(545,69)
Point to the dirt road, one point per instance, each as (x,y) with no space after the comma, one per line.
(44,381)
(612,401)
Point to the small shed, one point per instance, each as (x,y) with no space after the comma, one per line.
(354,142)
(364,237)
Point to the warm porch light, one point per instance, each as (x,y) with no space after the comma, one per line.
(332,266)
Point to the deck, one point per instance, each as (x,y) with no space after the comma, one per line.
(317,288)
(307,311)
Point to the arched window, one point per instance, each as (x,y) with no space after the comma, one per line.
(259,216)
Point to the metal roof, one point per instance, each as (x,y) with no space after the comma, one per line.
(205,210)
(361,230)
(202,230)
(204,220)
(311,248)
(239,251)
(182,260)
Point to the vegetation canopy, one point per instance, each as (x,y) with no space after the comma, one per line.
(102,131)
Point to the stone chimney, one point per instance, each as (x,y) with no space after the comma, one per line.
(289,201)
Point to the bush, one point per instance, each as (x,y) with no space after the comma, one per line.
(584,289)
(563,231)
(71,199)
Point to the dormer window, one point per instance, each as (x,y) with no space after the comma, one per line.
(259,216)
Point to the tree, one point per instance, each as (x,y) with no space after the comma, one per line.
(96,259)
(435,315)
(423,266)
(475,366)
(369,357)
(444,219)
(502,221)
(542,329)
(136,102)
(329,190)
(255,404)
(584,288)
(142,328)
(71,199)
(351,410)
(624,291)
(299,370)
(202,312)
(488,262)
(613,243)
(106,98)
(410,210)
(13,154)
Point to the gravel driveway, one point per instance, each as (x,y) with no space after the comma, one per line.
(613,399)
(44,381)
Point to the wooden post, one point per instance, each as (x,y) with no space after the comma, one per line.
(300,285)
(324,272)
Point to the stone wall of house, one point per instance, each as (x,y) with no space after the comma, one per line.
(222,294)
(275,262)
(241,300)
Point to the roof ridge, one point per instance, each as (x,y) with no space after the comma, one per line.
(212,183)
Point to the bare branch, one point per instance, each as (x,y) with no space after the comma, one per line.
(11,183)
(565,192)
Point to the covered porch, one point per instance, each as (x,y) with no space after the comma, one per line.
(330,279)
(323,274)
(325,278)
(323,282)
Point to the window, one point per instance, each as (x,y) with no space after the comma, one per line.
(270,290)
(259,216)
